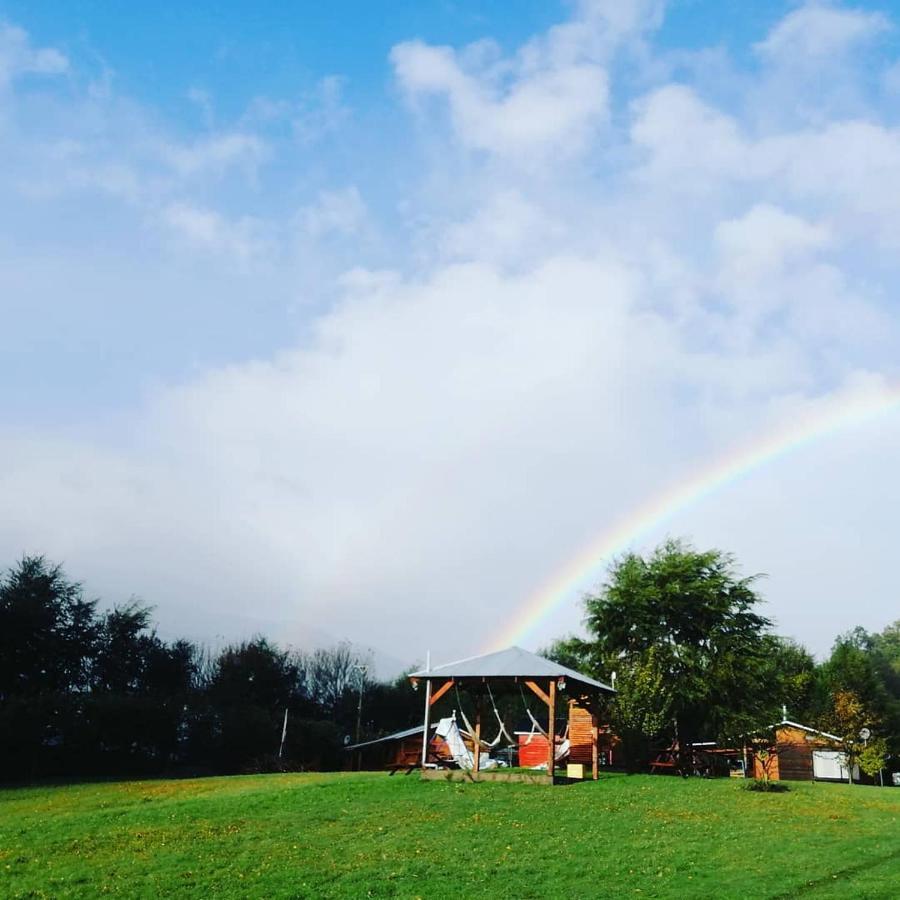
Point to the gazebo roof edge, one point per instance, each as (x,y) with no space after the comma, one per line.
(510,664)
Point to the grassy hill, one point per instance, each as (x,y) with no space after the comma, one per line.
(367,835)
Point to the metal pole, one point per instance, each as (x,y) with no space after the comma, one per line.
(427,709)
(283,734)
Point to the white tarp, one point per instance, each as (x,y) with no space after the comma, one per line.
(462,756)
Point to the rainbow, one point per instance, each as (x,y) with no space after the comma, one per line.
(584,568)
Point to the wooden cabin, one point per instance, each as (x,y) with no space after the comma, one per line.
(799,753)
(400,750)
(581,739)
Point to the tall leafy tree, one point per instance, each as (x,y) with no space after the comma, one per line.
(860,666)
(127,648)
(48,631)
(790,674)
(683,624)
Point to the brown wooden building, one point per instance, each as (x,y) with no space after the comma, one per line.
(797,753)
(532,745)
(399,750)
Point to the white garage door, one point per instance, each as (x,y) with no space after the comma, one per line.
(831,764)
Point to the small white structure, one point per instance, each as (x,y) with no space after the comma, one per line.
(831,765)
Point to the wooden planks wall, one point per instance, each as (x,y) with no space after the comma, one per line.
(580,735)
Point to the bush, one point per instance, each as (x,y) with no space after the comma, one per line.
(766,787)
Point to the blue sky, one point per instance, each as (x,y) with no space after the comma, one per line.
(344,306)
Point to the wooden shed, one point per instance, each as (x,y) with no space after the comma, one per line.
(400,750)
(533,746)
(797,753)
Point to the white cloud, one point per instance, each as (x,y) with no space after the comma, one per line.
(685,137)
(242,240)
(442,433)
(547,99)
(687,145)
(765,240)
(215,154)
(506,229)
(540,110)
(820,32)
(342,211)
(19,57)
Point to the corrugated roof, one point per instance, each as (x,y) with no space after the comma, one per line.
(513,662)
(396,736)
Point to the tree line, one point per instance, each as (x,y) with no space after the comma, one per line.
(85,691)
(91,692)
(695,660)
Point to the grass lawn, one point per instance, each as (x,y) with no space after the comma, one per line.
(367,835)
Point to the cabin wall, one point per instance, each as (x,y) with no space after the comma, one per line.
(580,737)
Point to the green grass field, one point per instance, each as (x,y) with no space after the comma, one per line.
(367,835)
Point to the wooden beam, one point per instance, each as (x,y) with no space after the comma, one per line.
(539,692)
(551,729)
(441,691)
(595,740)
(477,766)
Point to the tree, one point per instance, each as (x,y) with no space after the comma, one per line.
(255,672)
(680,628)
(252,684)
(765,754)
(125,650)
(791,679)
(48,631)
(330,675)
(644,704)
(570,651)
(873,756)
(846,719)
(861,665)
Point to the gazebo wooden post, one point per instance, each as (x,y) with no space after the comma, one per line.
(477,758)
(595,740)
(551,730)
(426,722)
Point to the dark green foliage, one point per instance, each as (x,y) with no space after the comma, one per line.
(48,631)
(681,630)
(88,692)
(868,667)
(764,786)
(572,652)
(254,673)
(83,692)
(696,661)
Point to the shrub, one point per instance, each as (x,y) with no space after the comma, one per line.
(766,786)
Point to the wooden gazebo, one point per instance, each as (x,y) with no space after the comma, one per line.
(515,666)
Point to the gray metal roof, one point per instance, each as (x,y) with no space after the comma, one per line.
(396,736)
(511,663)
